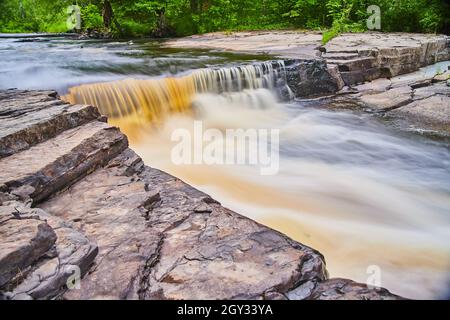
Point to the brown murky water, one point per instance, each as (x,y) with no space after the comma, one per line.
(389,215)
(349,186)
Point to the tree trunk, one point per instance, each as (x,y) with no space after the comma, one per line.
(163,29)
(107,13)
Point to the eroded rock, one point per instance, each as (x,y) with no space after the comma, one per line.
(54,164)
(30,117)
(344,289)
(419,101)
(23,242)
(63,253)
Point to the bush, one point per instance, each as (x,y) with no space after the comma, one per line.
(141,17)
(91,18)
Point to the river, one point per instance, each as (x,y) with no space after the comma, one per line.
(366,195)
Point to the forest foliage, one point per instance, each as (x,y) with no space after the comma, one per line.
(133,18)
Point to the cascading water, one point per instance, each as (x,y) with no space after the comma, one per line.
(362,194)
(156,98)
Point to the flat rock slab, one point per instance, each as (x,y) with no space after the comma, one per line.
(23,242)
(432,113)
(286,44)
(30,117)
(52,165)
(388,100)
(63,253)
(344,289)
(111,208)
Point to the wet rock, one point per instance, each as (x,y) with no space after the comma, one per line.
(440,89)
(23,242)
(380,55)
(69,253)
(111,212)
(432,113)
(418,101)
(388,100)
(375,86)
(343,289)
(308,78)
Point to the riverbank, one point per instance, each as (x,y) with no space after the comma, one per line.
(37,35)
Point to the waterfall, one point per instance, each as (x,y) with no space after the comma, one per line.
(154,98)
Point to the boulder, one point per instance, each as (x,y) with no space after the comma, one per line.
(308,78)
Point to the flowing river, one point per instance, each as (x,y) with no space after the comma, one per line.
(369,197)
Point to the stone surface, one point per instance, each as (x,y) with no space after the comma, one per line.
(111,209)
(419,101)
(432,113)
(308,78)
(389,99)
(69,256)
(359,57)
(23,242)
(286,44)
(27,118)
(54,164)
(344,289)
(384,55)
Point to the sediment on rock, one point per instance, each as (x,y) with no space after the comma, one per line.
(93,209)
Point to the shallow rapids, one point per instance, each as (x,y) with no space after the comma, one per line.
(361,193)
(348,186)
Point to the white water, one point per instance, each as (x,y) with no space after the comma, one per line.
(348,187)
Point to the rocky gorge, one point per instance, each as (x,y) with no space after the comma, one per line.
(77,204)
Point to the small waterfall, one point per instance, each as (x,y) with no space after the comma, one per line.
(154,98)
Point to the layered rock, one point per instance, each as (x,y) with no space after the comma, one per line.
(369,56)
(83,218)
(49,260)
(348,59)
(418,101)
(340,289)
